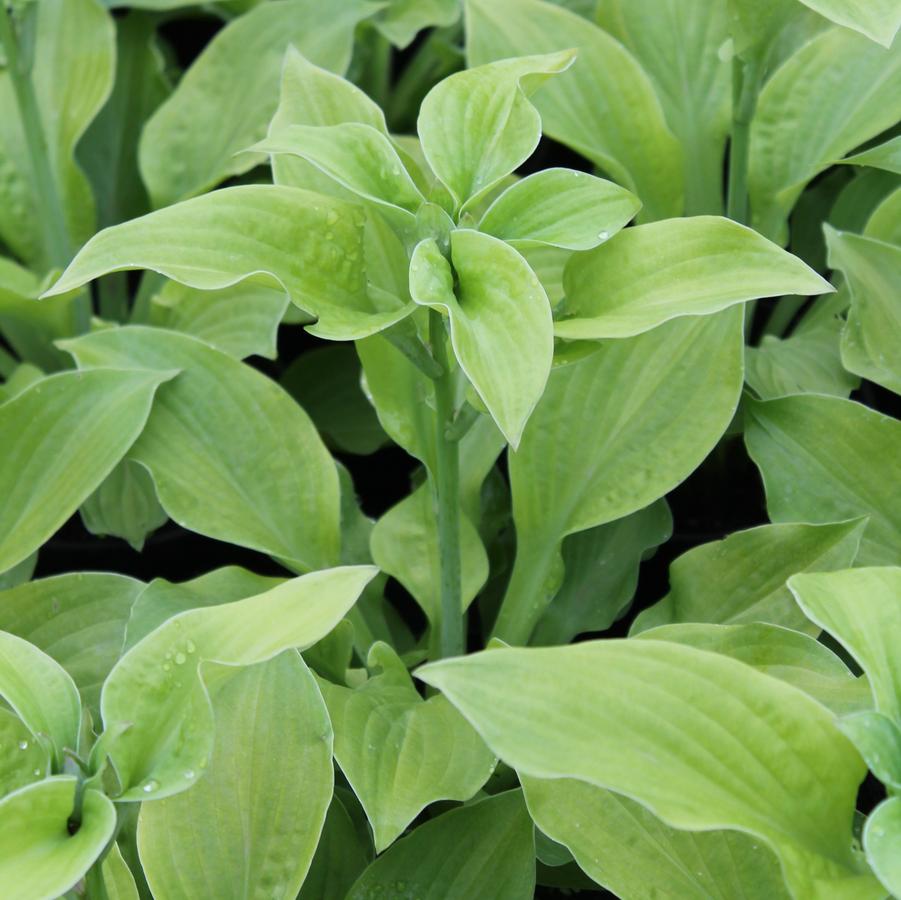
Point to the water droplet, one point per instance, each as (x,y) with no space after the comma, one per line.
(190,774)
(23,745)
(37,773)
(150,786)
(180,659)
(603,235)
(189,646)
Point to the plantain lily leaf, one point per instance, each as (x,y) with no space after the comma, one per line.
(37,853)
(721,757)
(271,769)
(742,577)
(857,472)
(879,20)
(882,841)
(478,125)
(398,752)
(275,490)
(62,437)
(885,156)
(608,438)
(155,705)
(878,739)
(884,223)
(605,107)
(440,858)
(560,207)
(226,99)
(401,20)
(118,881)
(23,760)
(679,267)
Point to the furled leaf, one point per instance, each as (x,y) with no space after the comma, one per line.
(605,107)
(500,321)
(624,847)
(884,223)
(720,756)
(61,437)
(270,771)
(118,881)
(878,739)
(882,841)
(857,81)
(401,20)
(679,267)
(22,758)
(486,849)
(226,99)
(560,207)
(232,456)
(879,20)
(824,459)
(885,156)
(742,577)
(478,125)
(37,853)
(612,433)
(157,689)
(77,619)
(398,752)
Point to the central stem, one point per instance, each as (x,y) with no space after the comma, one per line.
(744,99)
(446,494)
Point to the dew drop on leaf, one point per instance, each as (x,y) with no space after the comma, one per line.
(23,745)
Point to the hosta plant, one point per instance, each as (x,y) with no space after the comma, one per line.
(447,345)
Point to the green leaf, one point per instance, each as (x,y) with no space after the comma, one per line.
(560,207)
(486,849)
(601,573)
(22,759)
(478,125)
(63,436)
(72,74)
(824,459)
(118,881)
(882,841)
(157,690)
(672,37)
(401,20)
(884,223)
(650,274)
(225,100)
(227,433)
(612,433)
(37,853)
(885,156)
(878,739)
(77,619)
(879,20)
(791,141)
(270,772)
(722,756)
(622,846)
(605,107)
(500,321)
(742,577)
(398,752)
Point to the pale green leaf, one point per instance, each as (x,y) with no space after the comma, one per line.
(882,841)
(878,739)
(227,97)
(605,107)
(226,433)
(612,433)
(22,758)
(561,207)
(742,577)
(884,223)
(253,820)
(401,20)
(37,853)
(715,752)
(157,689)
(62,437)
(679,267)
(885,156)
(824,459)
(19,573)
(118,881)
(879,20)
(486,849)
(478,125)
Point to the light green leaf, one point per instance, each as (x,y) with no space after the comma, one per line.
(478,125)
(62,437)
(679,267)
(884,223)
(612,433)
(118,881)
(401,20)
(878,739)
(72,73)
(19,573)
(241,320)
(742,577)
(561,207)
(22,758)
(37,853)
(226,433)
(824,459)
(879,20)
(622,846)
(226,99)
(720,755)
(77,619)
(398,752)
(270,772)
(677,37)
(605,107)
(885,156)
(882,841)
(858,82)
(440,859)
(157,687)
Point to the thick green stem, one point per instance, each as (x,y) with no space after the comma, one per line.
(446,494)
(745,84)
(533,583)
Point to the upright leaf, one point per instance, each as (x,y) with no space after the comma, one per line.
(879,20)
(882,841)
